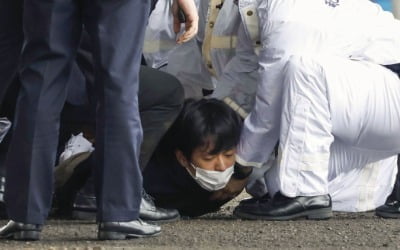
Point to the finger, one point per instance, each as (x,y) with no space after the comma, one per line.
(188,34)
(190,11)
(177,24)
(191,31)
(182,39)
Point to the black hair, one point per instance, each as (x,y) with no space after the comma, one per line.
(205,123)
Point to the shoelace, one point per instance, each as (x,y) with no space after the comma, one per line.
(148,198)
(393,202)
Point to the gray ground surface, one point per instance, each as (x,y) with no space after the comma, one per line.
(222,231)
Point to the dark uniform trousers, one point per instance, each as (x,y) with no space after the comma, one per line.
(11,39)
(160,101)
(52,30)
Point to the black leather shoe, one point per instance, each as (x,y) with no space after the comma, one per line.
(85,209)
(253,202)
(20,231)
(126,230)
(149,212)
(391,209)
(285,208)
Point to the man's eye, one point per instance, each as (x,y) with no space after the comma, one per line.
(208,158)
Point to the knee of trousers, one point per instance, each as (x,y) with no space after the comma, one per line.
(303,71)
(178,94)
(174,93)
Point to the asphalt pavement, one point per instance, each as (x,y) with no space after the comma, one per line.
(222,231)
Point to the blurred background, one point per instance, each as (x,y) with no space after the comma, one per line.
(390,5)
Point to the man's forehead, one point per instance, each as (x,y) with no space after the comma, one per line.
(207,147)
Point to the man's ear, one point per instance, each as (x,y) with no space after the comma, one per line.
(181,158)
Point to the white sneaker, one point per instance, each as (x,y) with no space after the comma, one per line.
(5,125)
(76,150)
(77,144)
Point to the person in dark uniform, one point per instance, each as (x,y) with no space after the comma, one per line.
(160,100)
(11,38)
(52,31)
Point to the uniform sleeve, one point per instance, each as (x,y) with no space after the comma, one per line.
(238,82)
(261,128)
(280,39)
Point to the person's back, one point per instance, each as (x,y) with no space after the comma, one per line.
(357,29)
(354,29)
(322,85)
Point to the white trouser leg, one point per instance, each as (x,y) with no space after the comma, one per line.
(257,185)
(330,98)
(359,181)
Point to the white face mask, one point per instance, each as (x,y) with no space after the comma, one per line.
(211,180)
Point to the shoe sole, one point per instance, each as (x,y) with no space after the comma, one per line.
(107,235)
(387,215)
(177,218)
(23,236)
(316,214)
(83,215)
(64,171)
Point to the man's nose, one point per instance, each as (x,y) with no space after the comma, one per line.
(221,165)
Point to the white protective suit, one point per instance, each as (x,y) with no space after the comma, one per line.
(237,83)
(324,91)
